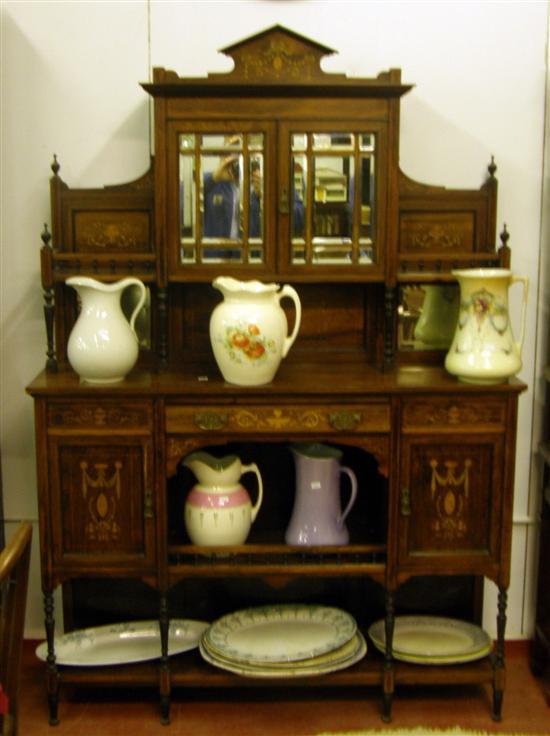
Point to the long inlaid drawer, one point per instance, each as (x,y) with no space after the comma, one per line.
(373,417)
(444,414)
(101,415)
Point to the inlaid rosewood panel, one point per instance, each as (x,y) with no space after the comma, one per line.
(100,415)
(269,419)
(448,414)
(103,502)
(450,503)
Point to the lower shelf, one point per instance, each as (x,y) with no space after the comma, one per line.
(190,670)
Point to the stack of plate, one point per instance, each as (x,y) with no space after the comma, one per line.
(433,640)
(283,641)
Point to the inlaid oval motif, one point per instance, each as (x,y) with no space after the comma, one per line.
(449,503)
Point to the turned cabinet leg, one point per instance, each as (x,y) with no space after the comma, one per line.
(498,660)
(388,675)
(52,676)
(164,671)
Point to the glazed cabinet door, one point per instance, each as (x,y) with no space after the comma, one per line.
(220,185)
(450,503)
(332,197)
(101,511)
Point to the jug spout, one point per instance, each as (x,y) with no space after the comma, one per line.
(214,471)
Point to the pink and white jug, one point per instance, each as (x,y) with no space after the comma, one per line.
(218,510)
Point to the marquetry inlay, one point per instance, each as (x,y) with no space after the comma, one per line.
(450,415)
(449,487)
(267,419)
(93,415)
(101,490)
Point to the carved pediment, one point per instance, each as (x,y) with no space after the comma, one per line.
(277,53)
(276,58)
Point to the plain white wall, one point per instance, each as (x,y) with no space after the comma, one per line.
(70,74)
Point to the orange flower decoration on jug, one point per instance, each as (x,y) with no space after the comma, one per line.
(247,343)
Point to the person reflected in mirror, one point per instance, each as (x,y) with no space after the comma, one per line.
(222,199)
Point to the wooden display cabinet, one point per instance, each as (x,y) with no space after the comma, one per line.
(324,206)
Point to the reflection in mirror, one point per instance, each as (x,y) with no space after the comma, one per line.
(334,223)
(187,199)
(427,316)
(225,172)
(142,325)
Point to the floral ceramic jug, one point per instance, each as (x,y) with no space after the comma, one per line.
(103,346)
(317,517)
(249,330)
(483,349)
(218,510)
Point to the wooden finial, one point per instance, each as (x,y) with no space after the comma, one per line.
(492,169)
(46,236)
(55,165)
(504,251)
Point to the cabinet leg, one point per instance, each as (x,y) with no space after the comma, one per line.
(498,660)
(52,676)
(388,678)
(164,671)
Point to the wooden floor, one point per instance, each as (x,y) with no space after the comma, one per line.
(274,712)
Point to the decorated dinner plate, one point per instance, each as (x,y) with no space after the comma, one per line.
(350,653)
(279,633)
(433,640)
(135,641)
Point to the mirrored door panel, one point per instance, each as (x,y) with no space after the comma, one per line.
(331,198)
(221,180)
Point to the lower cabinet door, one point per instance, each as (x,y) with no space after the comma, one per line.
(450,504)
(102,512)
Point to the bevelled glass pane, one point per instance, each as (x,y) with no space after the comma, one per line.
(366,194)
(219,252)
(299,141)
(187,142)
(221,196)
(187,197)
(256,198)
(256,141)
(333,178)
(327,250)
(366,142)
(212,141)
(298,196)
(334,141)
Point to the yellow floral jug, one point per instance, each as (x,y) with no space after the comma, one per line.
(483,349)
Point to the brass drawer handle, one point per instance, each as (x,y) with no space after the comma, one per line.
(405,502)
(209,420)
(344,420)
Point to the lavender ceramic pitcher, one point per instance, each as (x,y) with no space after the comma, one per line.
(317,517)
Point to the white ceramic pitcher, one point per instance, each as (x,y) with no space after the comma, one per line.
(483,349)
(103,346)
(249,330)
(218,509)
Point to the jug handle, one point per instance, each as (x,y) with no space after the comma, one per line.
(351,475)
(290,292)
(525,282)
(130,281)
(253,468)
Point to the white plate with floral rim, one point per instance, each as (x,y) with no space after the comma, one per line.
(347,655)
(135,641)
(433,640)
(279,633)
